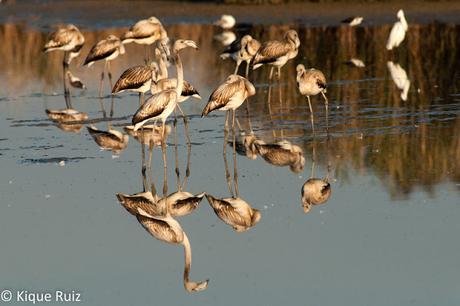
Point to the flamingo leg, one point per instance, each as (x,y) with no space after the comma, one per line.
(165,170)
(143,168)
(326,106)
(110,75)
(311,115)
(176,152)
(65,67)
(185,124)
(111,106)
(227,172)
(101,104)
(247,70)
(235,172)
(248,116)
(187,170)
(271,74)
(152,183)
(146,54)
(102,80)
(238,63)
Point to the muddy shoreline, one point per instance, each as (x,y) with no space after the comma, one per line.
(104,14)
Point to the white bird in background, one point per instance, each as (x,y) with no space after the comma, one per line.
(398,32)
(226,22)
(225,38)
(356,62)
(399,76)
(353,20)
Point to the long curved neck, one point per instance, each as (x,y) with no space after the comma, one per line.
(403,22)
(290,43)
(180,74)
(162,67)
(188,259)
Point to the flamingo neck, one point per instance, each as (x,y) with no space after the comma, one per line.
(180,75)
(188,259)
(163,68)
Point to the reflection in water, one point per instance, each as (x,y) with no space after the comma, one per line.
(67,119)
(356,62)
(149,134)
(111,139)
(233,210)
(156,214)
(400,78)
(282,153)
(245,146)
(316,191)
(167,229)
(366,110)
(226,38)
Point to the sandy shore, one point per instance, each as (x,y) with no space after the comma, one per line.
(103,13)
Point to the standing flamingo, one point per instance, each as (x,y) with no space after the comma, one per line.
(107,49)
(276,53)
(310,83)
(146,32)
(70,40)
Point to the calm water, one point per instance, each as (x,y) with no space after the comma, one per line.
(387,236)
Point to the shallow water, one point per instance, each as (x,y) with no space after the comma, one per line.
(387,235)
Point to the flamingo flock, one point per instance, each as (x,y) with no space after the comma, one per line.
(157,214)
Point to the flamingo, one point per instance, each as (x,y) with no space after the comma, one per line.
(276,53)
(107,49)
(146,32)
(242,51)
(310,83)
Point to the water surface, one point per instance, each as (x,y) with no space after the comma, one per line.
(387,236)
